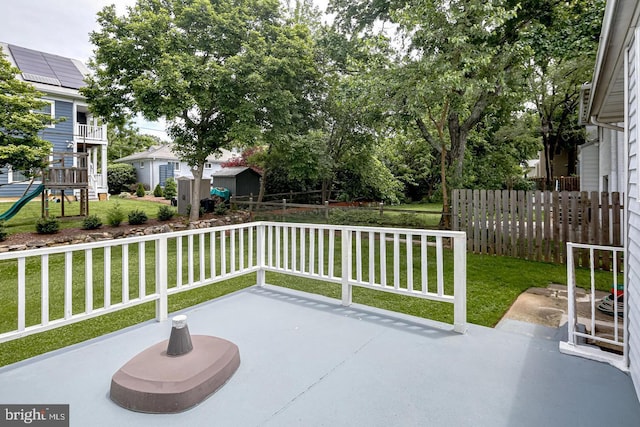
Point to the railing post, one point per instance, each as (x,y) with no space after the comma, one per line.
(460,284)
(571,313)
(260,275)
(162,305)
(345,270)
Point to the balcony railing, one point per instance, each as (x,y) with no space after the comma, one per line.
(593,333)
(50,287)
(91,132)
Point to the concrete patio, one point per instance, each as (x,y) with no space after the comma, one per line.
(308,361)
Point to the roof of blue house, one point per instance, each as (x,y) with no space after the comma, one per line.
(47,72)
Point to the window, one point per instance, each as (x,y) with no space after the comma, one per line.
(14,176)
(141,165)
(208,166)
(48,110)
(176,166)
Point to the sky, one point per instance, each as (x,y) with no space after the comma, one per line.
(62,27)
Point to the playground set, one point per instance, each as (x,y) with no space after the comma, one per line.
(66,178)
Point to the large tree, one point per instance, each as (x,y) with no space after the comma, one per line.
(21,147)
(564,48)
(222,73)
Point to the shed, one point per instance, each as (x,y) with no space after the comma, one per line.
(241,181)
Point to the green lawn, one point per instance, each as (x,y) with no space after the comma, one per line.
(25,219)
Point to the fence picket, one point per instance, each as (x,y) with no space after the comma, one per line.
(536,225)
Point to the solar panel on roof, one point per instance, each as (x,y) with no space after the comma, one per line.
(46,68)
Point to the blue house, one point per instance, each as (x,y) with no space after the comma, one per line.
(78,137)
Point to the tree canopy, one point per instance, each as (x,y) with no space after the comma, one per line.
(223,73)
(21,146)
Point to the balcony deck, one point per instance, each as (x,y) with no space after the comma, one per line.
(307,360)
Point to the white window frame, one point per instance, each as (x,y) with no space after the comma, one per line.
(52,104)
(176,166)
(10,179)
(141,165)
(208,166)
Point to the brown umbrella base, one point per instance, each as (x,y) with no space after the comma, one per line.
(157,383)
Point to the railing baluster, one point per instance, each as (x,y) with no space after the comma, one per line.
(223,254)
(241,251)
(190,260)
(278,260)
(88,281)
(201,253)
(593,292)
(332,242)
(142,273)
(179,262)
(68,284)
(293,248)
(270,246)
(372,255)
(383,259)
(409,261)
(285,233)
(44,278)
(396,260)
(22,284)
(252,230)
(107,276)
(303,245)
(359,256)
(212,251)
(321,252)
(424,265)
(232,251)
(312,250)
(440,265)
(125,273)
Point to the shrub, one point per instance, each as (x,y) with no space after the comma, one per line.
(157,192)
(3,231)
(220,208)
(165,213)
(170,188)
(49,225)
(115,215)
(120,176)
(140,190)
(137,217)
(354,217)
(91,222)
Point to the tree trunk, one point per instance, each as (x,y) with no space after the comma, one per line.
(194,214)
(263,185)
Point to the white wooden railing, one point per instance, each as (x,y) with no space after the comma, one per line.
(92,132)
(51,287)
(584,337)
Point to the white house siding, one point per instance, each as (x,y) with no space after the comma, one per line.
(589,171)
(632,281)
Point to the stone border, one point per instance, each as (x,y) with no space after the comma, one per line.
(238,217)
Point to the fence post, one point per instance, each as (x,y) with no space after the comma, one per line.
(162,306)
(260,275)
(284,208)
(460,284)
(381,209)
(345,269)
(571,314)
(326,210)
(251,202)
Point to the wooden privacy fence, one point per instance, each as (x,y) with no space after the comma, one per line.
(536,225)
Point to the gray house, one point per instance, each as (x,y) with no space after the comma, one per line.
(158,163)
(241,181)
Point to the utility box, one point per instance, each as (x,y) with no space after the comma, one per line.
(184,193)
